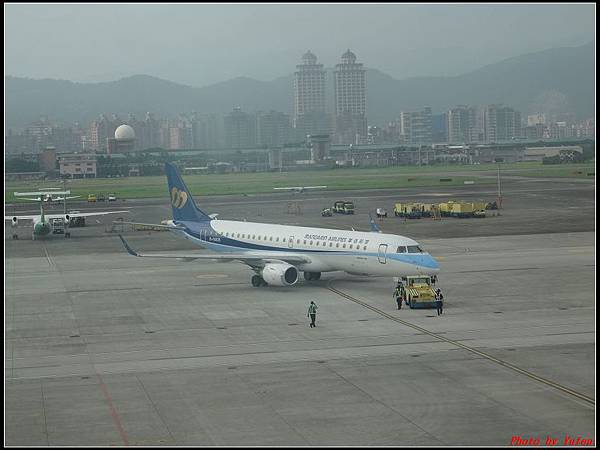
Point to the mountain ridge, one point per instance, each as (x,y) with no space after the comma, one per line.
(553,79)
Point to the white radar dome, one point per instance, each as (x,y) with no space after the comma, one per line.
(124,133)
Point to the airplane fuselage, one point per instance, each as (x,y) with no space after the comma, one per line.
(277,253)
(41,228)
(355,252)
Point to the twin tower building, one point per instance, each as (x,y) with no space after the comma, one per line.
(311,116)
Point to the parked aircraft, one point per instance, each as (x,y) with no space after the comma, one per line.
(299,189)
(278,253)
(43,224)
(44,196)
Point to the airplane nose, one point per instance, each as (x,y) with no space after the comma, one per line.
(431,265)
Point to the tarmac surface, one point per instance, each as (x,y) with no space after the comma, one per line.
(102,348)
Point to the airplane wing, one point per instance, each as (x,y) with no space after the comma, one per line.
(250,258)
(60,199)
(88,214)
(30,217)
(156,225)
(298,188)
(58,216)
(23,194)
(33,199)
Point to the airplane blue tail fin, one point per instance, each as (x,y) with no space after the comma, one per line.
(182,203)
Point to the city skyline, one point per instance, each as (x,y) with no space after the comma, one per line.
(462,124)
(539,82)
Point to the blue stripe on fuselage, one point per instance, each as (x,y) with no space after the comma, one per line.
(226,244)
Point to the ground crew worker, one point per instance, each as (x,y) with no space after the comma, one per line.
(399,294)
(439,301)
(312,313)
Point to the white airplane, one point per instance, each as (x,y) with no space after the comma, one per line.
(43,196)
(278,253)
(43,223)
(299,189)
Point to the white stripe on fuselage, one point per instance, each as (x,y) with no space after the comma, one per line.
(328,249)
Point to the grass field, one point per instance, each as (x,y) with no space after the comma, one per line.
(336,179)
(561,171)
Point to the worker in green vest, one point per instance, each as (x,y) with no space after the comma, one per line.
(399,294)
(312,313)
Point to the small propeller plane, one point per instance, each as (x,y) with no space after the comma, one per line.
(299,189)
(44,224)
(44,196)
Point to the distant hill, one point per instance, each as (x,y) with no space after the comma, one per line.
(561,79)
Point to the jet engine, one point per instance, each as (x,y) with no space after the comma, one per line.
(15,221)
(280,274)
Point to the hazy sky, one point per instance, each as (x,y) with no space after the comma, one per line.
(207,43)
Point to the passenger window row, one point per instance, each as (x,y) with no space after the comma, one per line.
(356,243)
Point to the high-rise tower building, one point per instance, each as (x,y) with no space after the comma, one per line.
(465,124)
(272,128)
(150,132)
(501,123)
(240,129)
(350,91)
(310,115)
(101,130)
(416,128)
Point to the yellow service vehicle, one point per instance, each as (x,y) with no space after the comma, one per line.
(479,205)
(410,210)
(446,208)
(426,209)
(419,293)
(92,198)
(462,209)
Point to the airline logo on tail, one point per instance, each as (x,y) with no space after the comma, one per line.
(178,198)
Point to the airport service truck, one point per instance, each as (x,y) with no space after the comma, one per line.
(343,207)
(419,293)
(60,226)
(412,210)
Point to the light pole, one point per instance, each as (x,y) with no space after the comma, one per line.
(499,189)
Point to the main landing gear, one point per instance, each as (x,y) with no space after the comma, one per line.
(258,281)
(312,276)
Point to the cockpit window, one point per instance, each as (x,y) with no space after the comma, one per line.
(401,249)
(414,249)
